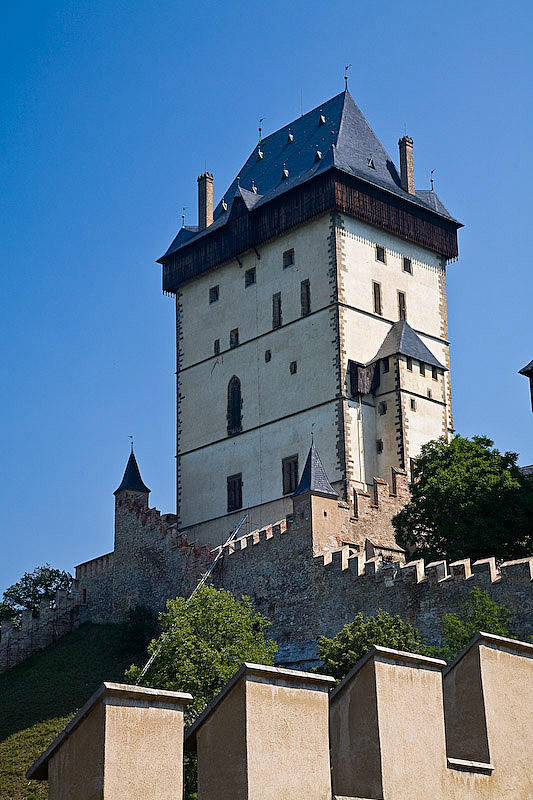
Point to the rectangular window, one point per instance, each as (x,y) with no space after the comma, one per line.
(288,258)
(413,404)
(379,445)
(434,373)
(382,408)
(422,368)
(429,394)
(380,253)
(249,277)
(305,297)
(234,492)
(213,294)
(276,310)
(402,306)
(289,468)
(409,363)
(268,356)
(407,265)
(293,367)
(386,365)
(216,347)
(234,337)
(376,289)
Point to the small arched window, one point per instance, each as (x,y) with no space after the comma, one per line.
(234,414)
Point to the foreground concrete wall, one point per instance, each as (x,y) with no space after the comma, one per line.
(126,743)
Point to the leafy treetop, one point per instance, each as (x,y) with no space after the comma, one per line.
(467,500)
(204,641)
(27,593)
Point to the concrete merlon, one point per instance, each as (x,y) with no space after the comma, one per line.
(413,572)
(263,673)
(520,569)
(120,691)
(377,653)
(461,569)
(436,571)
(486,565)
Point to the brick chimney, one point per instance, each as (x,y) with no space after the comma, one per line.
(205,200)
(407,172)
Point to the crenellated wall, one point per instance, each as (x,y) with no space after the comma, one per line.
(307,596)
(55,619)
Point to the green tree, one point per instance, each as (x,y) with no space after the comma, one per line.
(41,584)
(343,651)
(467,500)
(479,613)
(203,643)
(7,612)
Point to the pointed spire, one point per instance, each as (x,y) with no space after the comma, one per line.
(314,478)
(132,480)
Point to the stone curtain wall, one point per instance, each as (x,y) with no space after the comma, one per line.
(55,619)
(308,596)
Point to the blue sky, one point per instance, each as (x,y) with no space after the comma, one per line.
(109,111)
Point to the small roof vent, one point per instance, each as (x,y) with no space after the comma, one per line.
(322,120)
(290,137)
(224,204)
(260,153)
(284,173)
(254,187)
(371,163)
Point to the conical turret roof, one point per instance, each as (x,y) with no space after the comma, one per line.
(132,480)
(314,478)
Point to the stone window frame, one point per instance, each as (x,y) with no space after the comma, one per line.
(250,277)
(407,265)
(288,258)
(402,305)
(377,298)
(305,297)
(381,251)
(234,492)
(289,474)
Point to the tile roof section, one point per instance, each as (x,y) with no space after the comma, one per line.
(132,480)
(401,339)
(346,142)
(314,478)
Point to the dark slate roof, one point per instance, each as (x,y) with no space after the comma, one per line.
(344,140)
(401,339)
(132,480)
(314,478)
(527,370)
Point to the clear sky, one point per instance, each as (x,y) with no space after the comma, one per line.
(109,111)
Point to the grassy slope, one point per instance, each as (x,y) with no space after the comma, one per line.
(38,697)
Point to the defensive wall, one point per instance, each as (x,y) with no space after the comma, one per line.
(274,733)
(54,619)
(307,594)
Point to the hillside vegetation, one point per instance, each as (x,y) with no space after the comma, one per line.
(38,697)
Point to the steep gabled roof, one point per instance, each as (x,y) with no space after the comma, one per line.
(314,478)
(402,340)
(332,135)
(132,480)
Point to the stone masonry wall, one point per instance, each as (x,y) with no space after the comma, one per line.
(308,596)
(54,620)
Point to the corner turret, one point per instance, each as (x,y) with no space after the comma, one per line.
(131,480)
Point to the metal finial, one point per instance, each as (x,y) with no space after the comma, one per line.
(183,210)
(131,437)
(260,128)
(431,178)
(346,68)
(312,434)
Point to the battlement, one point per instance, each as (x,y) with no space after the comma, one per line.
(55,618)
(95,566)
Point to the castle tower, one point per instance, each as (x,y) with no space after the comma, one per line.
(314,300)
